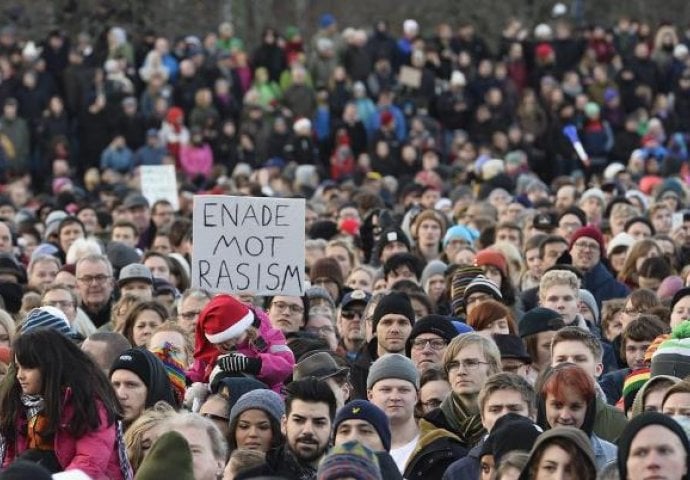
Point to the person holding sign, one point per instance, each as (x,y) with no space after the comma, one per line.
(234,339)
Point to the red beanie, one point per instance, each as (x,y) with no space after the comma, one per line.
(592,233)
(223,318)
(493,258)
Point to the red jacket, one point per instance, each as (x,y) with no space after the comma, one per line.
(88,453)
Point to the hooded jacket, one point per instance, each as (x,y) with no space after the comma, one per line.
(638,404)
(572,435)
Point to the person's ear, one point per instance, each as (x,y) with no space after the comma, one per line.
(369,395)
(598,369)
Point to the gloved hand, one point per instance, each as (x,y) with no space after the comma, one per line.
(195,395)
(240,364)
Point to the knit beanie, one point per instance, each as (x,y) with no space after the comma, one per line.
(266,400)
(150,370)
(434,267)
(174,368)
(235,387)
(393,302)
(587,297)
(679,295)
(461,232)
(46,317)
(462,277)
(539,320)
(319,292)
(484,285)
(349,460)
(120,255)
(638,423)
(511,432)
(326,267)
(673,356)
(437,324)
(631,386)
(654,346)
(368,412)
(590,232)
(668,287)
(390,235)
(493,258)
(393,365)
(169,457)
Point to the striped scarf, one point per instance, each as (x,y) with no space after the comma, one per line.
(466,425)
(125,466)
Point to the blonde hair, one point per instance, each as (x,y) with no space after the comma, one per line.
(488,347)
(558,277)
(149,418)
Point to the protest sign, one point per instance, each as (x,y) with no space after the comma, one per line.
(248,245)
(158,182)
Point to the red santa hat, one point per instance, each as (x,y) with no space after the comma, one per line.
(223,318)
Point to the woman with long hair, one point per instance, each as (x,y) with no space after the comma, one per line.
(57,408)
(637,254)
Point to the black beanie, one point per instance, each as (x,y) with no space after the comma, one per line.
(150,369)
(638,423)
(437,324)
(393,302)
(539,320)
(511,432)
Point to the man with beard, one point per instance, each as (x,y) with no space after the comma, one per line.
(309,412)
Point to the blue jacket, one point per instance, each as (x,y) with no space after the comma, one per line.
(603,285)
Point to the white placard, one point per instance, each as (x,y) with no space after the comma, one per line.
(158,182)
(248,245)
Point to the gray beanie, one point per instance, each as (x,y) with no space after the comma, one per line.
(393,365)
(262,399)
(434,267)
(587,297)
(317,291)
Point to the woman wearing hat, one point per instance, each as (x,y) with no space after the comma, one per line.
(255,421)
(653,446)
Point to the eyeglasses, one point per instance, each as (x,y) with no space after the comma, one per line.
(213,416)
(468,364)
(435,343)
(325,330)
(281,306)
(586,245)
(189,316)
(350,314)
(89,279)
(59,303)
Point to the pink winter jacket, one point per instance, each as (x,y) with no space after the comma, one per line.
(277,360)
(94,453)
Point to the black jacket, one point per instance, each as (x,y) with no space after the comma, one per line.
(436,450)
(279,463)
(360,369)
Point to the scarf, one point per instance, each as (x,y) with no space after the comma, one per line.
(34,405)
(467,425)
(297,469)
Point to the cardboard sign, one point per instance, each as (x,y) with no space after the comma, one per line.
(248,245)
(158,182)
(410,76)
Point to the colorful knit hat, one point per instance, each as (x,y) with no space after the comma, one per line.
(632,384)
(484,285)
(651,349)
(349,460)
(174,368)
(673,356)
(461,278)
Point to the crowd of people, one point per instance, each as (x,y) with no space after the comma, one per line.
(497,247)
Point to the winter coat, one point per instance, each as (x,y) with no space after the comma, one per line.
(436,450)
(602,285)
(277,360)
(85,453)
(360,368)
